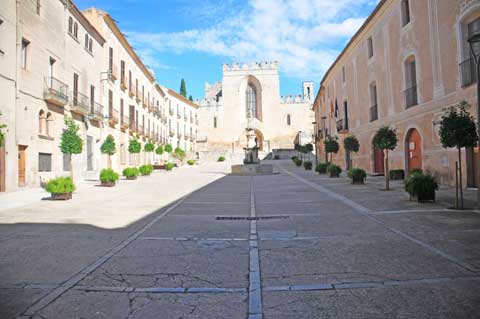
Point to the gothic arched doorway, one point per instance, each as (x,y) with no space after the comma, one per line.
(413,150)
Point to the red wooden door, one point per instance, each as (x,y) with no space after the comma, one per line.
(379,162)
(414,147)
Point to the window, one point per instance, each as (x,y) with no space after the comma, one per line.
(24,53)
(289,120)
(121,111)
(136,87)
(214,122)
(110,61)
(47,123)
(122,154)
(345,112)
(467,66)
(370,47)
(251,99)
(343,74)
(110,103)
(373,102)
(411,97)
(90,45)
(44,162)
(92,98)
(66,162)
(75,30)
(405,12)
(41,119)
(51,62)
(122,72)
(39,5)
(86,41)
(70,25)
(75,88)
(130,81)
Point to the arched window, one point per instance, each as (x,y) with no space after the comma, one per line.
(47,123)
(75,30)
(41,121)
(289,120)
(251,99)
(70,25)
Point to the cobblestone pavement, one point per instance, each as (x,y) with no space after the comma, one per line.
(290,245)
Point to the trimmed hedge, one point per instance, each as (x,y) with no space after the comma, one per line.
(421,187)
(307,165)
(131,172)
(108,175)
(357,175)
(321,168)
(146,170)
(60,185)
(334,170)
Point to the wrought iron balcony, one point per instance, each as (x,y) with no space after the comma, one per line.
(373,113)
(125,122)
(131,93)
(80,103)
(132,125)
(55,91)
(97,112)
(411,97)
(113,116)
(468,72)
(113,73)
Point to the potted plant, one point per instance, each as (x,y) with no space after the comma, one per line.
(221,159)
(386,139)
(131,173)
(108,147)
(397,174)
(179,154)
(191,162)
(146,170)
(169,166)
(294,159)
(334,170)
(108,177)
(61,188)
(421,187)
(321,168)
(298,162)
(307,165)
(357,175)
(350,144)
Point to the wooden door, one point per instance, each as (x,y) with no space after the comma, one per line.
(2,168)
(414,150)
(472,167)
(379,161)
(21,165)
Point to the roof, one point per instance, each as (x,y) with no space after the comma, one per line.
(182,98)
(355,36)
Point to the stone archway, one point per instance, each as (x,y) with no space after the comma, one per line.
(413,150)
(259,136)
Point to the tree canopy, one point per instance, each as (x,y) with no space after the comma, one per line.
(331,145)
(134,146)
(351,144)
(159,150)
(385,138)
(149,147)
(70,142)
(183,88)
(108,147)
(457,127)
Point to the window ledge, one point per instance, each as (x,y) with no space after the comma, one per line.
(45,137)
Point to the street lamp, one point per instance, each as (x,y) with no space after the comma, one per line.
(475,39)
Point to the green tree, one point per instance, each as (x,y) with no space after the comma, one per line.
(134,147)
(179,154)
(159,150)
(108,147)
(331,146)
(149,147)
(386,139)
(458,129)
(183,88)
(70,142)
(2,133)
(190,98)
(168,148)
(351,144)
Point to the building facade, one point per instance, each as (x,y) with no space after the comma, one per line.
(407,63)
(278,121)
(58,61)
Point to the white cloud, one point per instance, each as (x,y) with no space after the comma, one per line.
(303,35)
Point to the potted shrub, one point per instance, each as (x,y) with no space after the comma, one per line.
(191,162)
(131,173)
(294,159)
(321,168)
(298,162)
(276,157)
(357,175)
(169,166)
(397,174)
(421,187)
(108,177)
(334,170)
(221,159)
(61,188)
(307,165)
(146,170)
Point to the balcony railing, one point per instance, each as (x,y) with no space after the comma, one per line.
(97,111)
(179,116)
(468,72)
(171,111)
(55,91)
(113,116)
(341,126)
(81,103)
(411,97)
(113,73)
(132,125)
(373,113)
(125,123)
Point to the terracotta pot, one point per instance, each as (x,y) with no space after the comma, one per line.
(61,196)
(108,184)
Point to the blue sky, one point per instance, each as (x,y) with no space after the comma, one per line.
(192,39)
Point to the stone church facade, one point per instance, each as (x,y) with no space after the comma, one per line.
(279,122)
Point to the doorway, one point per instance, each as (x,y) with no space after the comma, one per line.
(413,149)
(472,167)
(21,165)
(378,161)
